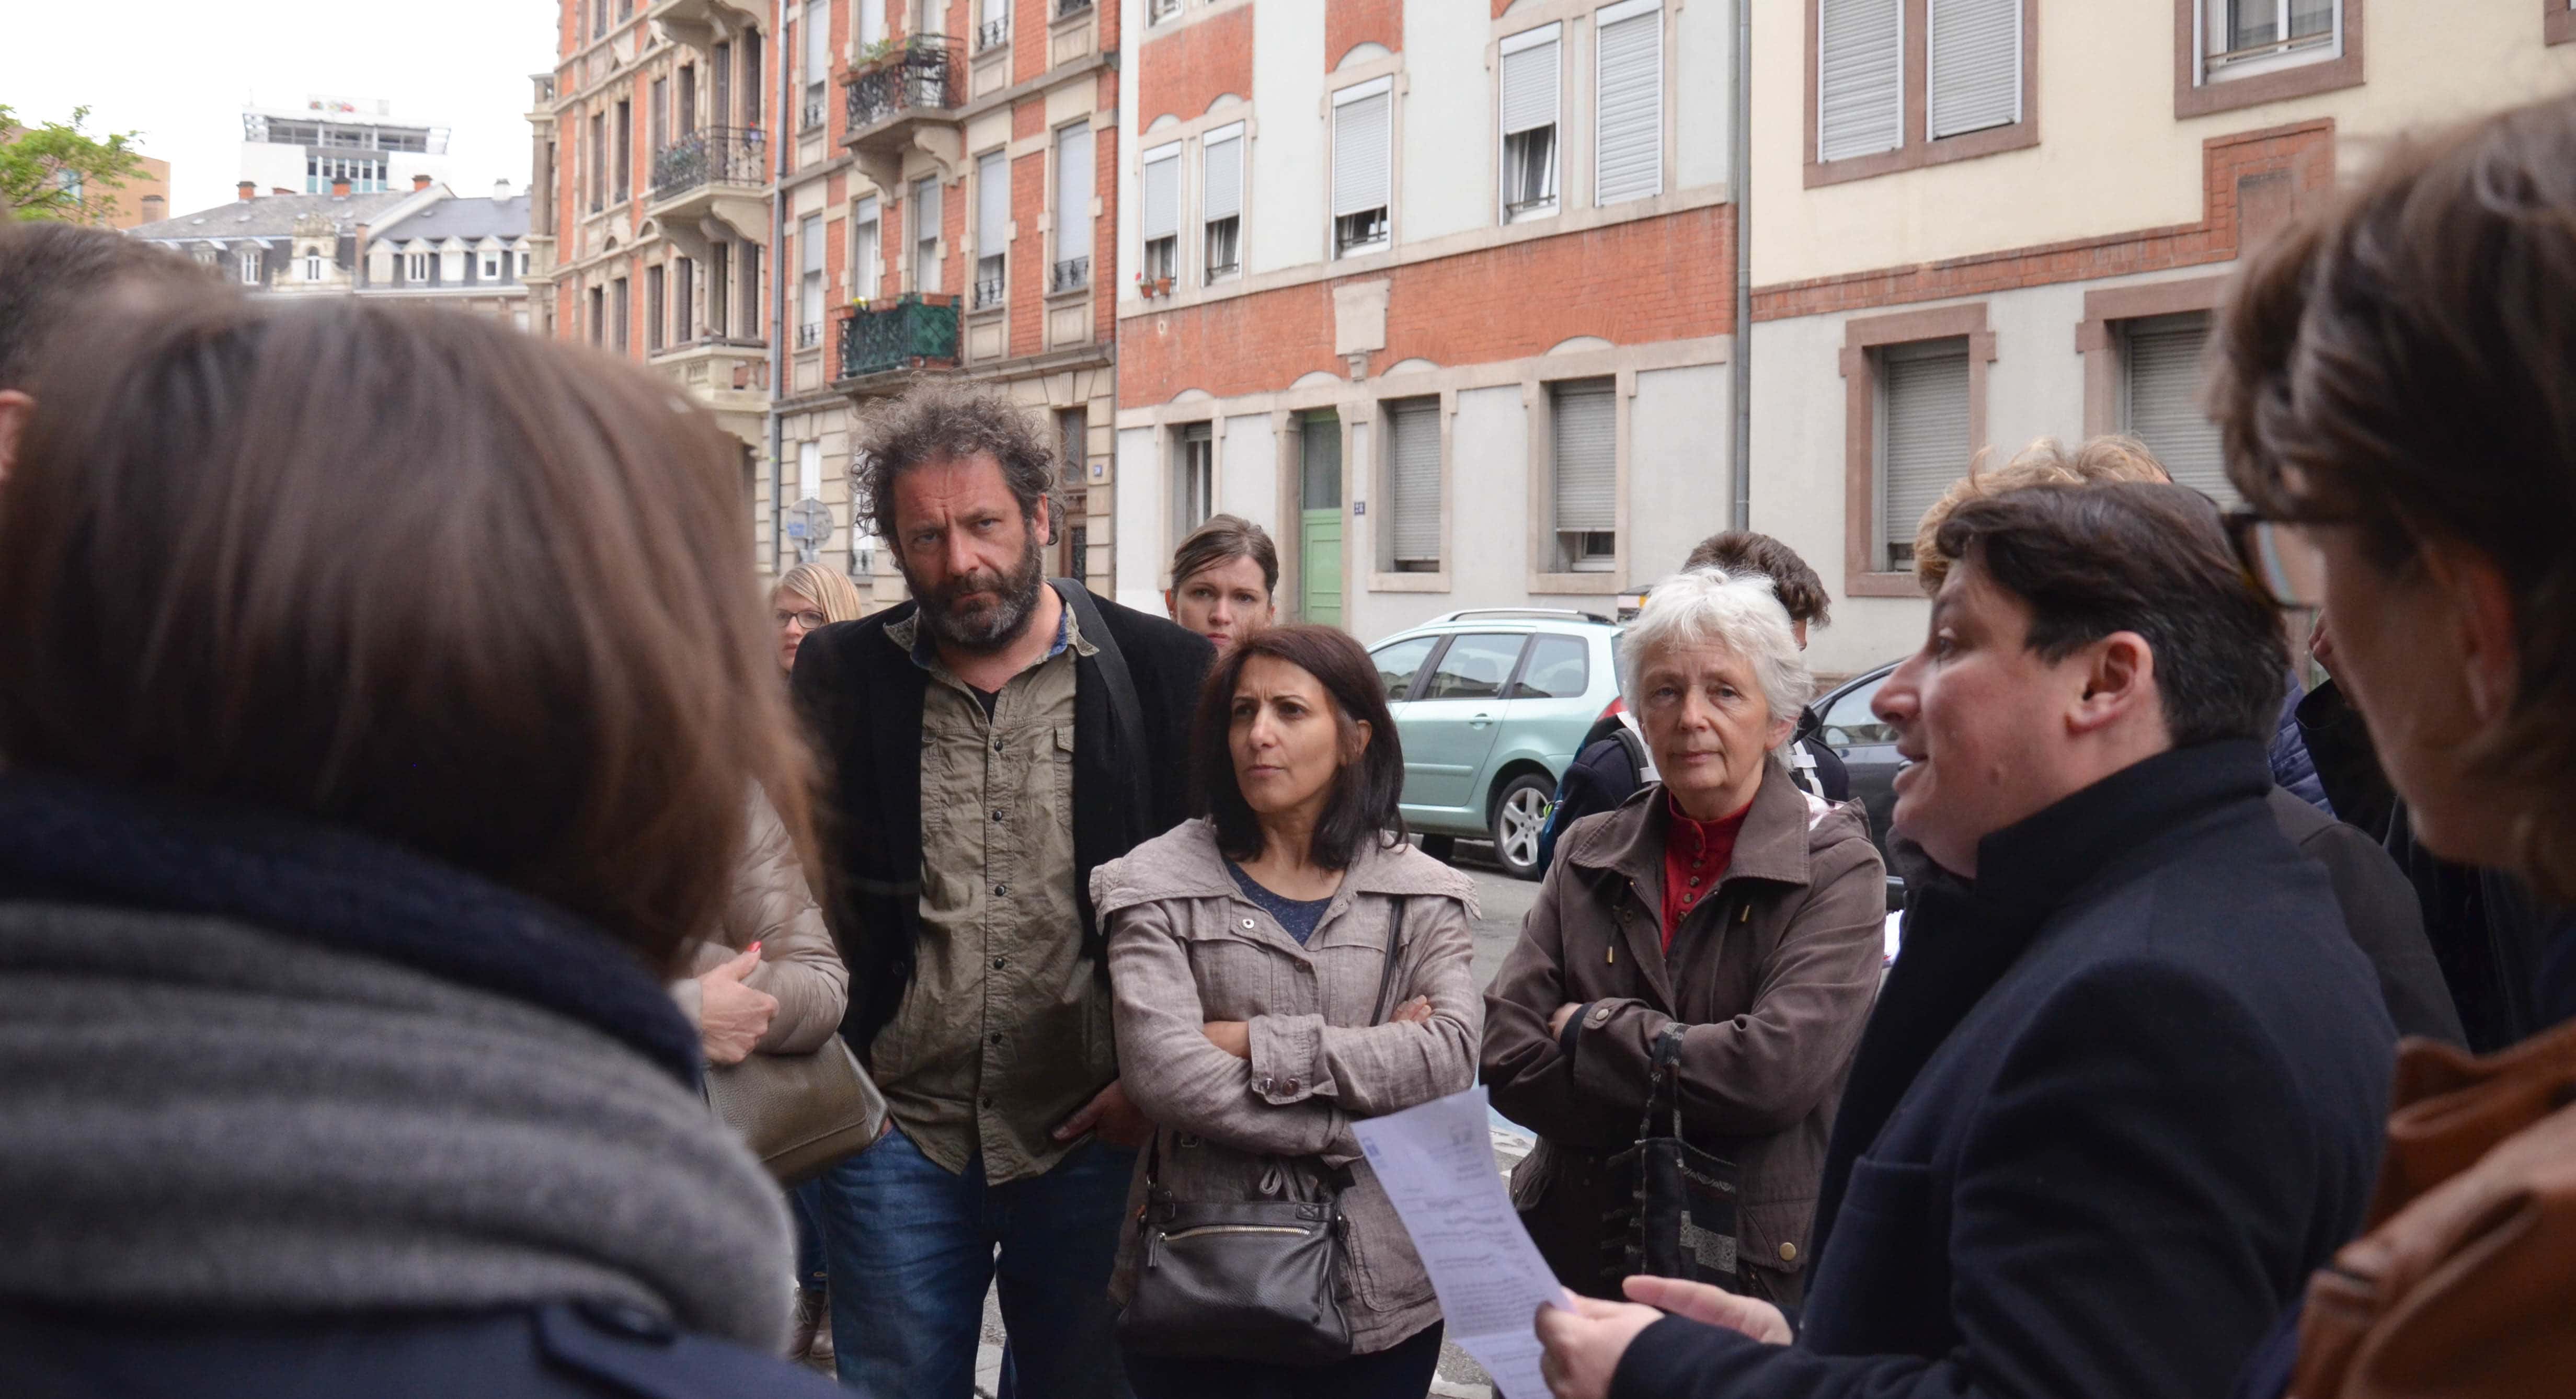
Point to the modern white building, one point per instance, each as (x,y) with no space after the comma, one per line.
(300,148)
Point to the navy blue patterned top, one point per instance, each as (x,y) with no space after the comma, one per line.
(1298,916)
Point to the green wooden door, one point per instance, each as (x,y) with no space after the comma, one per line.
(1319,567)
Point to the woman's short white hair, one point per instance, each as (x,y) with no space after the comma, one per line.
(1736,610)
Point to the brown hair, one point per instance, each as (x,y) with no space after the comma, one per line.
(2130,556)
(1222,540)
(2406,361)
(1792,581)
(2045,462)
(51,272)
(1367,793)
(411,573)
(936,420)
(830,593)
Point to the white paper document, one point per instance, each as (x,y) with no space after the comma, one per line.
(1437,1164)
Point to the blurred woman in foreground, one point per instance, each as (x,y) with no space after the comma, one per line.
(344,850)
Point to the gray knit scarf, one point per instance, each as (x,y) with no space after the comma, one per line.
(199,1114)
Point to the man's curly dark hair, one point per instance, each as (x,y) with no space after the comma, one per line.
(940,420)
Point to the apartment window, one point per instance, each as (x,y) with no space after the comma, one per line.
(872,24)
(208,257)
(523,266)
(747,264)
(924,200)
(1161,10)
(1194,489)
(623,175)
(992,226)
(1162,212)
(1584,435)
(598,316)
(817,25)
(250,268)
(867,227)
(1363,132)
(720,85)
(1532,68)
(1074,181)
(2243,37)
(1922,438)
(619,310)
(994,29)
(312,267)
(598,18)
(684,293)
(2160,402)
(598,161)
(1880,100)
(1412,522)
(1073,442)
(688,116)
(809,288)
(1319,461)
(659,108)
(720,290)
(417,267)
(655,308)
(1628,130)
(488,266)
(751,78)
(1221,203)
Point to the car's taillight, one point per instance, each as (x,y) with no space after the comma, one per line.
(1612,710)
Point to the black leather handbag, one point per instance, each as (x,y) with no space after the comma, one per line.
(1682,1217)
(1256,1280)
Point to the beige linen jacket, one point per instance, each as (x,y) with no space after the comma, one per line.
(1186,947)
(772,904)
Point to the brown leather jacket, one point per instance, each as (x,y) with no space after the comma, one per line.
(1773,973)
(2465,1284)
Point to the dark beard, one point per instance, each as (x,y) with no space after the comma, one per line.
(996,624)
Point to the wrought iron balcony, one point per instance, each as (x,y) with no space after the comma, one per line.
(912,331)
(920,77)
(1072,274)
(715,155)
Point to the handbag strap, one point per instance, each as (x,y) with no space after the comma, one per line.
(1662,1081)
(1385,989)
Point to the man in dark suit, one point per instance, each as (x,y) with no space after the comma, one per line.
(2122,1090)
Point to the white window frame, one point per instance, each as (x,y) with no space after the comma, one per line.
(1072,206)
(925,240)
(1551,35)
(1146,271)
(523,264)
(2209,18)
(995,259)
(416,267)
(249,261)
(867,248)
(809,276)
(1602,19)
(1564,559)
(313,267)
(487,265)
(1193,476)
(1359,92)
(1210,271)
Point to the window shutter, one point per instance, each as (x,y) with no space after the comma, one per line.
(1360,133)
(1586,430)
(1630,128)
(872,23)
(1413,480)
(1222,195)
(1926,435)
(992,205)
(1860,79)
(1530,80)
(1163,192)
(1976,65)
(1073,186)
(2164,402)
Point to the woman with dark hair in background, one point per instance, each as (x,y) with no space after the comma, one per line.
(1249,955)
(344,852)
(1224,577)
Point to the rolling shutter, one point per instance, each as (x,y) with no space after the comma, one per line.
(1925,438)
(992,205)
(1360,133)
(1976,65)
(1073,185)
(1860,77)
(1162,215)
(925,210)
(1630,126)
(1586,431)
(1530,69)
(1413,480)
(1223,192)
(2164,402)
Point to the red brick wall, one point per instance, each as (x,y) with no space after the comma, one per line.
(1668,278)
(2250,182)
(1028,265)
(1351,22)
(1106,142)
(1187,68)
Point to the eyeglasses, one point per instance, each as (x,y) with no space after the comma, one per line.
(809,619)
(2280,557)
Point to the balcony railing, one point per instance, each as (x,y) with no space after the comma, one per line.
(989,292)
(811,114)
(921,75)
(992,34)
(1072,274)
(909,332)
(809,335)
(1067,9)
(716,155)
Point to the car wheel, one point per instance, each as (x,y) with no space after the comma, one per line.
(1440,848)
(1519,814)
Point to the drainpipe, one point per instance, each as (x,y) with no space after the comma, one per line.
(778,57)
(1740,187)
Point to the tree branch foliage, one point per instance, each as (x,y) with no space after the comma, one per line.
(58,171)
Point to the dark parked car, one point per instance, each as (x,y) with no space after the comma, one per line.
(1868,750)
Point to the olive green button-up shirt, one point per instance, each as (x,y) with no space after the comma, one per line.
(1004,1031)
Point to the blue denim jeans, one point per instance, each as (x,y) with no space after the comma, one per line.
(805,1207)
(912,1251)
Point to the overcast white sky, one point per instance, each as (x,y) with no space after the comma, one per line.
(179,72)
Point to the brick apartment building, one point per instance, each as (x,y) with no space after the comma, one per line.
(794,208)
(1438,291)
(1978,222)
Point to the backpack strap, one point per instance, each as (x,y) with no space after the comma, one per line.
(1126,712)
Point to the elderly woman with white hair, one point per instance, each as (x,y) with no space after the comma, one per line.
(1719,931)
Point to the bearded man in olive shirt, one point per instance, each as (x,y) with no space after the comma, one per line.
(986,748)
